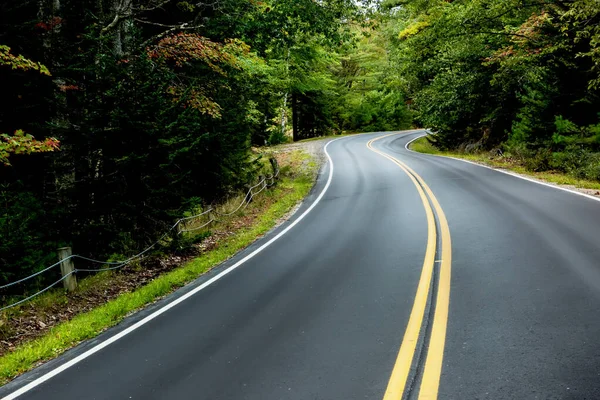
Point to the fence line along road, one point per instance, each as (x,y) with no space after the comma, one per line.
(120,264)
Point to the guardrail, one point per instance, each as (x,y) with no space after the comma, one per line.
(69,271)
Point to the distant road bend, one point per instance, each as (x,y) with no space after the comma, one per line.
(402,276)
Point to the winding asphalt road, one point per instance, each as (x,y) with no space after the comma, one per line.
(402,275)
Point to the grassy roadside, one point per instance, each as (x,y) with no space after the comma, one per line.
(297,177)
(422,145)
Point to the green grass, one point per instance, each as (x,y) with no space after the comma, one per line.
(289,191)
(422,145)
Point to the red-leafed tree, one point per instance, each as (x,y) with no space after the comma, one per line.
(183,52)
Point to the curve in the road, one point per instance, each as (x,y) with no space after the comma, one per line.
(431,372)
(400,374)
(526,283)
(49,375)
(320,313)
(564,189)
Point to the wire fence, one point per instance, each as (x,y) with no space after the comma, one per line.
(183,225)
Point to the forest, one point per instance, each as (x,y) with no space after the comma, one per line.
(119,116)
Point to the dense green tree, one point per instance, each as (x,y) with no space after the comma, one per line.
(490,72)
(370,97)
(155,104)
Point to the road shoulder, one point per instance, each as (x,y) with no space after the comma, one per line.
(297,184)
(512,167)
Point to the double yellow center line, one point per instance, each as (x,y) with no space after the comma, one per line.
(430,378)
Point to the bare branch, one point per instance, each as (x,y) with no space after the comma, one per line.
(131,12)
(154,7)
(181,26)
(169,31)
(114,23)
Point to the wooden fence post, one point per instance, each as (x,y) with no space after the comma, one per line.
(67,267)
(275,167)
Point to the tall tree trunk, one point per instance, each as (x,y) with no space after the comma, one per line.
(285,97)
(283,113)
(121,35)
(295,117)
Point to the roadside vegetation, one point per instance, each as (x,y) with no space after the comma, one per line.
(121,117)
(509,162)
(101,301)
(505,77)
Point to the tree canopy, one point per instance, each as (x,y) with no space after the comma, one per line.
(121,115)
(486,73)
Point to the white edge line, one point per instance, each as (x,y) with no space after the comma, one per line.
(167,307)
(503,172)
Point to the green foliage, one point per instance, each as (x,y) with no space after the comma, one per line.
(369,97)
(582,17)
(18,62)
(22,143)
(511,162)
(156,106)
(277,137)
(25,246)
(290,191)
(482,74)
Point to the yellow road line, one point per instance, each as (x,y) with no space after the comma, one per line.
(397,382)
(435,354)
(433,365)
